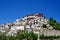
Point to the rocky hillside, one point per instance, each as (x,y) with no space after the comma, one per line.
(36,23)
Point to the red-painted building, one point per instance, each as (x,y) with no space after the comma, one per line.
(38,15)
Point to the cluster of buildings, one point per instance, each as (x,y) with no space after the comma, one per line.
(32,22)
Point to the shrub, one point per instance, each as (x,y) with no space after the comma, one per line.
(44,26)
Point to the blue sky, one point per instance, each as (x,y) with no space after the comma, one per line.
(10,10)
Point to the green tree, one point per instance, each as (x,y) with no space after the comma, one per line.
(51,21)
(54,24)
(44,26)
